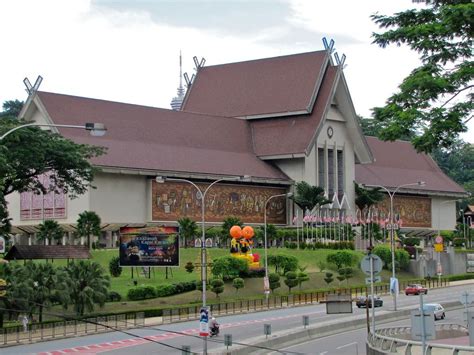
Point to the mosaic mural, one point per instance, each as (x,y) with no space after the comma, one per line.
(174,200)
(413,211)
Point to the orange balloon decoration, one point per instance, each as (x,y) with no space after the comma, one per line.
(236,232)
(248,232)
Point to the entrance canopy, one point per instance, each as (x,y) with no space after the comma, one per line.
(30,252)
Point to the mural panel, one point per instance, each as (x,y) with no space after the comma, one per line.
(174,200)
(413,211)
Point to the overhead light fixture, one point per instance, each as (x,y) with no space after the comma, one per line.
(96,129)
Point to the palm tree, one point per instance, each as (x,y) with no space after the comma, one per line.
(187,229)
(366,198)
(308,197)
(50,230)
(88,285)
(88,224)
(228,223)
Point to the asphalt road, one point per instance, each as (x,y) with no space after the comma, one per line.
(353,342)
(242,327)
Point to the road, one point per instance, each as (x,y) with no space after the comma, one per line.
(242,327)
(353,342)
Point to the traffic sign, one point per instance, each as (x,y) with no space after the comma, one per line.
(394,226)
(438,248)
(365,264)
(376,279)
(438,239)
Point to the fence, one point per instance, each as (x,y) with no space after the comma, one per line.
(390,341)
(69,328)
(276,302)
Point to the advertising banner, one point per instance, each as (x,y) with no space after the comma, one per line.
(149,246)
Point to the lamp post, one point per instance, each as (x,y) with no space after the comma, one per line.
(289,194)
(394,281)
(95,129)
(202,194)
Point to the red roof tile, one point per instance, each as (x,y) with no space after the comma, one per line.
(293,135)
(264,86)
(398,163)
(151,138)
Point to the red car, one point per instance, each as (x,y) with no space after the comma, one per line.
(415,289)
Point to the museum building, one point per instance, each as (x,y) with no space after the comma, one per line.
(261,125)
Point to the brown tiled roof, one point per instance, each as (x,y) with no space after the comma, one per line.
(398,163)
(279,85)
(141,137)
(29,252)
(292,135)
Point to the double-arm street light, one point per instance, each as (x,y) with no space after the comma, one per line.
(95,129)
(202,194)
(394,281)
(266,281)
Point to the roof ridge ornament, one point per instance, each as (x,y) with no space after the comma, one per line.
(330,49)
(31,89)
(198,64)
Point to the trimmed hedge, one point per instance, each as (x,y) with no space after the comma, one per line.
(146,292)
(459,277)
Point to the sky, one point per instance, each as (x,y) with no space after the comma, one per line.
(128,51)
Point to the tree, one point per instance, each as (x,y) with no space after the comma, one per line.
(291,280)
(36,286)
(237,283)
(328,279)
(28,153)
(345,273)
(50,230)
(365,198)
(341,258)
(283,263)
(11,108)
(114,266)
(272,234)
(217,286)
(307,197)
(88,285)
(88,224)
(229,222)
(302,277)
(274,281)
(228,267)
(187,229)
(436,98)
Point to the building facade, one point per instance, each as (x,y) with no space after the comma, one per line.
(276,121)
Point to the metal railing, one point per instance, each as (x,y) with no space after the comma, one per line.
(69,328)
(275,302)
(385,341)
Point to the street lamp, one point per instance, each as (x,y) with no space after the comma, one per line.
(289,194)
(95,129)
(394,281)
(202,194)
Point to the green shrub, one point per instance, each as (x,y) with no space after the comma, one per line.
(411,241)
(217,286)
(114,267)
(189,267)
(274,281)
(385,254)
(237,283)
(228,267)
(165,290)
(291,280)
(141,293)
(402,258)
(113,296)
(459,242)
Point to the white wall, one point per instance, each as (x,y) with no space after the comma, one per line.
(443,213)
(121,198)
(294,168)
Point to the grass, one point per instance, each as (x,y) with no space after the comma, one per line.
(253,286)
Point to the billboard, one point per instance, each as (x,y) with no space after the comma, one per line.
(149,246)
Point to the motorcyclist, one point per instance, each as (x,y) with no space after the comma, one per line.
(214,325)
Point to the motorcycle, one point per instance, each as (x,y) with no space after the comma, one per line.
(214,331)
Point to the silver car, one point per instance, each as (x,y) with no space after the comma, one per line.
(436,308)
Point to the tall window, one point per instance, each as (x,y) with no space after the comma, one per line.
(39,206)
(321,167)
(340,174)
(330,172)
